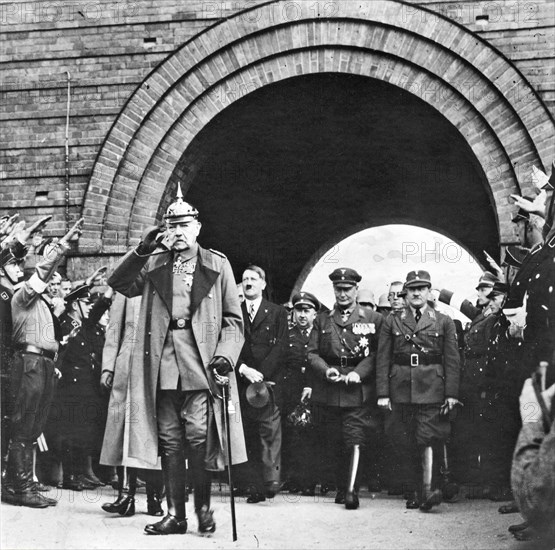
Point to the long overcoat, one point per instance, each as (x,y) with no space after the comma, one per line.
(217,326)
(121,336)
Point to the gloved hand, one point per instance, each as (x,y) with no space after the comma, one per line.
(221,365)
(148,243)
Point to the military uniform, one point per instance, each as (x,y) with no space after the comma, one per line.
(78,413)
(301,461)
(540,307)
(36,338)
(417,369)
(347,344)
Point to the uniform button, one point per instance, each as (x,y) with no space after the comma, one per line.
(344,330)
(342,349)
(146,352)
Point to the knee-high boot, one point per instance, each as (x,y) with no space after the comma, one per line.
(29,459)
(202,481)
(430,496)
(175,522)
(21,474)
(351,496)
(154,488)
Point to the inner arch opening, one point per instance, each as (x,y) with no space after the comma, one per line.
(301,162)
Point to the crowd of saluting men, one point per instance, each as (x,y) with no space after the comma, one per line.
(121,380)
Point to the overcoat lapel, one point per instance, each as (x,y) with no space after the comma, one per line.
(161,276)
(203,280)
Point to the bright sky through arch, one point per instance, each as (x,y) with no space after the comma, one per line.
(387,253)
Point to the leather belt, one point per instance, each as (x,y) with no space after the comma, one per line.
(178,324)
(29,348)
(417,359)
(343,361)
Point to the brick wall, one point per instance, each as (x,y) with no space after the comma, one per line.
(109,48)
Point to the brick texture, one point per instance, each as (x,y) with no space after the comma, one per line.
(147,77)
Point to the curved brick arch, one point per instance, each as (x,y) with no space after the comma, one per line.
(252,49)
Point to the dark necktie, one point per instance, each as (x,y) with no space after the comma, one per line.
(417,315)
(55,321)
(251,313)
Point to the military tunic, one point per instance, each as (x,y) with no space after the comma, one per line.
(78,412)
(300,458)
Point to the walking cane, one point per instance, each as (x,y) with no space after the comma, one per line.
(225,418)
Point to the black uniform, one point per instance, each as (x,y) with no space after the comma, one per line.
(300,459)
(78,413)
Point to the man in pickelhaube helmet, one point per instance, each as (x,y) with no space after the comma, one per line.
(189,336)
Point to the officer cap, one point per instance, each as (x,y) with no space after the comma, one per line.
(383,301)
(522,215)
(303,300)
(258,395)
(418,278)
(487,279)
(6,257)
(366,296)
(344,277)
(499,288)
(180,211)
(514,255)
(82,292)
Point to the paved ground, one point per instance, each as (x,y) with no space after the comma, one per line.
(288,521)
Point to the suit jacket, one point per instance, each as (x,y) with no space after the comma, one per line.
(423,384)
(356,340)
(217,326)
(265,347)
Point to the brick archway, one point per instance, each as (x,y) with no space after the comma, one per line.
(466,80)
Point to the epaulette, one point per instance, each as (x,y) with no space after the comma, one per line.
(217,252)
(551,242)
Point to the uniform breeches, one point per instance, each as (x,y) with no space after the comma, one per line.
(32,389)
(410,428)
(344,427)
(183,417)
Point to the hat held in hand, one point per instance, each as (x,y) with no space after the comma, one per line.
(258,395)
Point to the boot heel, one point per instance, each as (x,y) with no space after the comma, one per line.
(128,507)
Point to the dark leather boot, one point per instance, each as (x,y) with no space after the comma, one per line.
(175,522)
(154,491)
(351,495)
(202,485)
(119,504)
(35,487)
(22,478)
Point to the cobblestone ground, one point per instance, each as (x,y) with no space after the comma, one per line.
(287,521)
